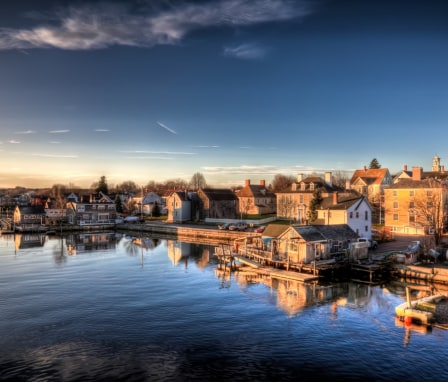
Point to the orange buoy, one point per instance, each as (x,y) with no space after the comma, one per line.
(408,320)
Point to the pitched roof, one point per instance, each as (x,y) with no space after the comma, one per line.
(343,201)
(405,183)
(219,194)
(370,175)
(32,210)
(325,232)
(274,230)
(255,191)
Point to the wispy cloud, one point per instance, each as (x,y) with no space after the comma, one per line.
(54,156)
(206,147)
(14,142)
(250,51)
(54,142)
(156,152)
(59,131)
(101,130)
(98,26)
(166,127)
(25,132)
(149,157)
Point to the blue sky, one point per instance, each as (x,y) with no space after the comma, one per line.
(156,90)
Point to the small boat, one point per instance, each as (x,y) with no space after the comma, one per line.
(421,311)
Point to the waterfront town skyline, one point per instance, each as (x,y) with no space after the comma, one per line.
(231,89)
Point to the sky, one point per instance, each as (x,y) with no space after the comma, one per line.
(239,89)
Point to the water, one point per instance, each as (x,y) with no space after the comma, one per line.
(105,307)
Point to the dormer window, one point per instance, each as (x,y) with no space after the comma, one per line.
(302,186)
(312,186)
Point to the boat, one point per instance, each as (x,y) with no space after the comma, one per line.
(421,311)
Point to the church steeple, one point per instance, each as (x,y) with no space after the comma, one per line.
(436,164)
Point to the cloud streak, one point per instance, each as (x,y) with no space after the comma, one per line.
(156,152)
(250,51)
(98,26)
(166,127)
(58,131)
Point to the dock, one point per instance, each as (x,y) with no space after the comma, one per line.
(420,311)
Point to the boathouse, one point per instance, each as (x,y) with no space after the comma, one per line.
(307,243)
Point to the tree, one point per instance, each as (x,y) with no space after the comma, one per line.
(374,164)
(340,179)
(118,204)
(314,205)
(282,183)
(155,210)
(197,181)
(101,186)
(287,207)
(176,185)
(127,187)
(430,206)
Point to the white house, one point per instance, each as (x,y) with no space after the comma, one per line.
(347,208)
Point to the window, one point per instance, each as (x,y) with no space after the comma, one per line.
(429,204)
(366,215)
(366,228)
(411,218)
(395,217)
(351,215)
(411,204)
(429,193)
(411,193)
(395,204)
(300,198)
(357,214)
(395,193)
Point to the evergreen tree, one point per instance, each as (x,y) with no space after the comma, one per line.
(102,186)
(314,205)
(374,164)
(118,204)
(155,210)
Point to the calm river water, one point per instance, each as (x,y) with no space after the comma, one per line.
(110,307)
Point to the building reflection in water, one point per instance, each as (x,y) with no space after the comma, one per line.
(88,242)
(29,240)
(293,296)
(178,250)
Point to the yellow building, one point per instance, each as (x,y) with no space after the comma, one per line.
(416,205)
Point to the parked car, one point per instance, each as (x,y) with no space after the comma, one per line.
(370,243)
(224,226)
(238,227)
(259,229)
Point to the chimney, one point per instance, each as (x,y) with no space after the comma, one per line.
(262,183)
(247,182)
(442,168)
(335,198)
(328,178)
(365,168)
(417,173)
(405,167)
(299,177)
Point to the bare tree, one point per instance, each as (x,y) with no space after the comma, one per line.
(282,183)
(430,209)
(127,187)
(197,181)
(287,207)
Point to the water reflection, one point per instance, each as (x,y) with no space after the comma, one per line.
(29,240)
(80,243)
